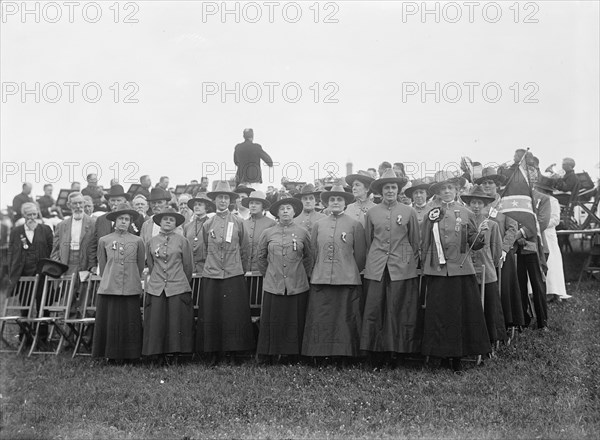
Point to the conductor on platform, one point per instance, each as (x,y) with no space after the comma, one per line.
(246,157)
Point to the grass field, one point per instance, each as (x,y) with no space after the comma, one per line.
(545,385)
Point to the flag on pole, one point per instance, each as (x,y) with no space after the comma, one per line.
(517,200)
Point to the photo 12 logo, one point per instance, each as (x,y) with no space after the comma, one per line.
(270,12)
(69,91)
(469,91)
(471,12)
(270,92)
(53,172)
(69,12)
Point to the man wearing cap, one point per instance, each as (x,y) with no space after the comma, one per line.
(224,323)
(308,217)
(246,157)
(255,225)
(418,193)
(200,207)
(391,316)
(360,184)
(159,201)
(569,181)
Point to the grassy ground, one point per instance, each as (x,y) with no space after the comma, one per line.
(546,385)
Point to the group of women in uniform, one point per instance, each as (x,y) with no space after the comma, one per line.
(350,286)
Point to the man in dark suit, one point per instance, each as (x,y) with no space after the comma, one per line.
(246,157)
(23,197)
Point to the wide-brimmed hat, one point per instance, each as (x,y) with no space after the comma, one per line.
(52,268)
(241,189)
(361,176)
(442,177)
(389,176)
(179,219)
(117,191)
(210,206)
(477,193)
(336,190)
(223,188)
(256,196)
(297,204)
(545,183)
(418,184)
(307,190)
(491,173)
(158,194)
(123,208)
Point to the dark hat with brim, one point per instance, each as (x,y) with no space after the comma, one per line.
(122,209)
(477,194)
(389,176)
(361,176)
(243,190)
(256,196)
(117,191)
(169,212)
(210,206)
(51,268)
(296,204)
(444,177)
(545,183)
(490,173)
(158,194)
(223,188)
(416,185)
(307,190)
(336,190)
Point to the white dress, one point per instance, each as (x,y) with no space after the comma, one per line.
(555,278)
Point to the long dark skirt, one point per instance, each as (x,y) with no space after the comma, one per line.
(494,318)
(333,321)
(511,293)
(224,322)
(282,324)
(454,320)
(168,324)
(392,320)
(118,327)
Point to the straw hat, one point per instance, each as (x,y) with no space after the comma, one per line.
(256,196)
(223,188)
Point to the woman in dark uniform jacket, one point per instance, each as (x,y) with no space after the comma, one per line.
(333,319)
(454,321)
(168,312)
(285,261)
(121,255)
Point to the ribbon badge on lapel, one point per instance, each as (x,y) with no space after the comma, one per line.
(458,221)
(435,215)
(134,227)
(399,219)
(114,245)
(294,242)
(212,233)
(24,241)
(344,237)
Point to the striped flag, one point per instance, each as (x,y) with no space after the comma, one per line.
(517,200)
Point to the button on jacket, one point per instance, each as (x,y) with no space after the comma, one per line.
(169,258)
(421,211)
(455,243)
(358,210)
(121,258)
(392,236)
(489,255)
(254,227)
(339,249)
(308,220)
(223,259)
(285,259)
(193,232)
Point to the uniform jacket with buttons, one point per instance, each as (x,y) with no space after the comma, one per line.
(254,228)
(339,249)
(358,211)
(121,262)
(392,237)
(507,226)
(456,236)
(285,259)
(193,232)
(224,259)
(489,255)
(308,220)
(148,227)
(422,211)
(170,263)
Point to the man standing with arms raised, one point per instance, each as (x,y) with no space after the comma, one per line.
(246,157)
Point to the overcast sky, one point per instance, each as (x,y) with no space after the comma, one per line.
(366,64)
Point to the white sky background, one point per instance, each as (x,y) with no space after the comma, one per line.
(369,54)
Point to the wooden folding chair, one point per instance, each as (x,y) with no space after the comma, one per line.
(57,297)
(255,294)
(21,304)
(85,323)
